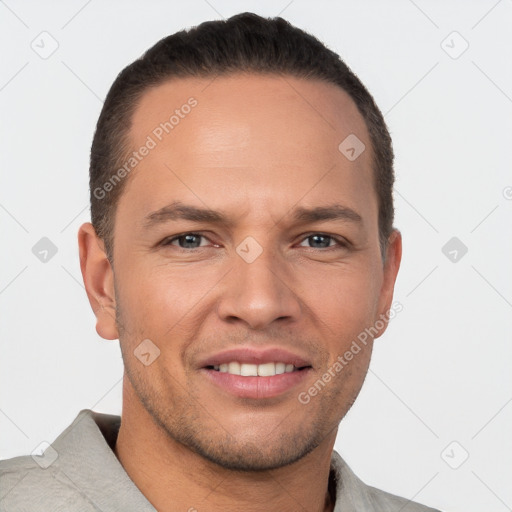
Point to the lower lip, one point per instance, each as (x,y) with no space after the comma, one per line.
(257,387)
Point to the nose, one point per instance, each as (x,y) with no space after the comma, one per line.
(259,293)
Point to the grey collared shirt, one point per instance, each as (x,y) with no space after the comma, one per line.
(80,472)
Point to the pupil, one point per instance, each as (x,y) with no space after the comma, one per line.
(325,239)
(189,240)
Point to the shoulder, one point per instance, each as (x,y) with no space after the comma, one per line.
(48,481)
(27,487)
(353,494)
(385,502)
(18,469)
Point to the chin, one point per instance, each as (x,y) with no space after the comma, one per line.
(248,457)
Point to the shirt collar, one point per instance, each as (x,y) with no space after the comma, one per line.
(86,457)
(87,460)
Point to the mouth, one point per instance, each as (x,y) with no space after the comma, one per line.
(247,372)
(256,370)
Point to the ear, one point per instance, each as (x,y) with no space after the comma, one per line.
(391,266)
(98,279)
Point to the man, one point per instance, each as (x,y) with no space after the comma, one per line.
(242,249)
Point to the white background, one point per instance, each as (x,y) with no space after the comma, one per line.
(442,371)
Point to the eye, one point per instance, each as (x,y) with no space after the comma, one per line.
(322,241)
(196,241)
(186,241)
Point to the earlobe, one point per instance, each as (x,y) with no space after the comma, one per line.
(98,279)
(391,267)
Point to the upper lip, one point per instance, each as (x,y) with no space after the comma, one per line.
(252,355)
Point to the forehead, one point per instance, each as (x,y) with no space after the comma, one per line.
(246,136)
(248,104)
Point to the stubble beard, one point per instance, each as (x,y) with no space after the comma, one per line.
(181,416)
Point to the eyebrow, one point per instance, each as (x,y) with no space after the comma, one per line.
(179,211)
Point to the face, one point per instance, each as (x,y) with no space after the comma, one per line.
(246,248)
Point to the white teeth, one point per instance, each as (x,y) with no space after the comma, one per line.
(234,368)
(253,370)
(267,369)
(249,370)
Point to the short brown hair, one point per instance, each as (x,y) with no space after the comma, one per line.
(243,43)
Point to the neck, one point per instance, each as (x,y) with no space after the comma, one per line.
(172,477)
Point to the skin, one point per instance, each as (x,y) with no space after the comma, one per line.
(255,147)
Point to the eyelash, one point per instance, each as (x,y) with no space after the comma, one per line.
(341,242)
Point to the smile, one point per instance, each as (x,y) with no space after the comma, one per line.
(255,370)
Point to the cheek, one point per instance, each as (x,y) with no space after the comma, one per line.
(345,298)
(151,307)
(160,301)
